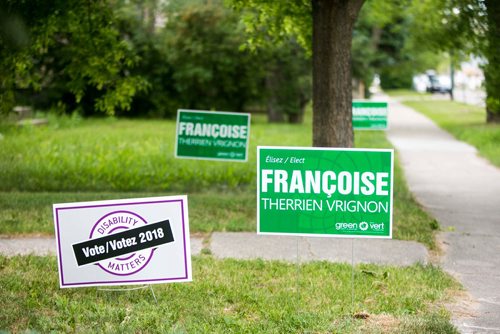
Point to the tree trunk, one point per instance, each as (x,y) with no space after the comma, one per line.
(492,117)
(333,23)
(492,68)
(296,118)
(274,113)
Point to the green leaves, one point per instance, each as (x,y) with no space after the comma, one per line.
(76,46)
(270,22)
(449,24)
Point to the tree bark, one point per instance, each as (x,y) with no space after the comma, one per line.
(296,118)
(274,114)
(333,23)
(492,68)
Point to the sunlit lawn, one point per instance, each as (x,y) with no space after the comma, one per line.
(74,159)
(233,296)
(82,160)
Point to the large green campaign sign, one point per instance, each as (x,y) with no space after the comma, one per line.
(212,135)
(369,115)
(325,191)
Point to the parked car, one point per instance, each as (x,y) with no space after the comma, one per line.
(437,84)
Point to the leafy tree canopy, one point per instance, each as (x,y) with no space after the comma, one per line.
(466,26)
(268,22)
(66,45)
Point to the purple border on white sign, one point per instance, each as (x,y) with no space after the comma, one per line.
(166,279)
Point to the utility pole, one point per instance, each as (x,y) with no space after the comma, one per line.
(452,75)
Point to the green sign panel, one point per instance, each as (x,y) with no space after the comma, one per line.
(325,191)
(212,135)
(369,115)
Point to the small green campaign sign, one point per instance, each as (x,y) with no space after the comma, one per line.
(369,115)
(212,135)
(325,191)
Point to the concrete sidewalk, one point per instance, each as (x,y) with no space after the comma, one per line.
(47,246)
(292,248)
(248,245)
(462,191)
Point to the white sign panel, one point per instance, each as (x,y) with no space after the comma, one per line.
(122,242)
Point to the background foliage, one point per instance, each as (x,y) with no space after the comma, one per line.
(67,54)
(149,58)
(143,58)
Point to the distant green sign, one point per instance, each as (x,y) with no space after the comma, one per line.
(369,115)
(325,191)
(212,135)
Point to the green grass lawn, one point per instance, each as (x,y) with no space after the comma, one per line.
(231,296)
(465,122)
(83,160)
(124,155)
(407,94)
(25,213)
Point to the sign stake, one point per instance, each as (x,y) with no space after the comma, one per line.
(153,293)
(131,289)
(298,276)
(352,275)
